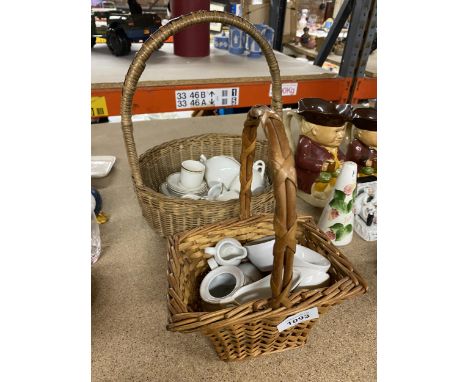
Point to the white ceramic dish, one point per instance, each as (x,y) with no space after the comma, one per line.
(101,165)
(164,190)
(257,290)
(261,255)
(312,278)
(174,185)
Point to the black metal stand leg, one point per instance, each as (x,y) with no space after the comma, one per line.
(334,32)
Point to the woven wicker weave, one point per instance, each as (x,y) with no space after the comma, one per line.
(251,329)
(168,215)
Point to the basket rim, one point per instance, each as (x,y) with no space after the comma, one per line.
(191,137)
(338,292)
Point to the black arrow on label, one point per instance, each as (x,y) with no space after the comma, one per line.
(212,93)
(212,102)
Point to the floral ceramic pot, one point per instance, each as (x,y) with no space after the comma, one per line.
(337,217)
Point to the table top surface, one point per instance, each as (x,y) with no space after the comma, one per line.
(165,68)
(371,67)
(129,313)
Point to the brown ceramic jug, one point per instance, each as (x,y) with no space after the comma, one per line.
(363,148)
(317,155)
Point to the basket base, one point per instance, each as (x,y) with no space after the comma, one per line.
(260,354)
(231,348)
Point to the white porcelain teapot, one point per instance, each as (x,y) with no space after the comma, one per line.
(220,169)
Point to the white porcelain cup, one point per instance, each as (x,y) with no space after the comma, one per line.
(192,173)
(215,190)
(227,251)
(258,178)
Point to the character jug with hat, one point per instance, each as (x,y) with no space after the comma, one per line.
(363,148)
(317,155)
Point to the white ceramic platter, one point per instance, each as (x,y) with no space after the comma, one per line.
(101,165)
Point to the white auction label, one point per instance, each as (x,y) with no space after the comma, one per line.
(190,99)
(306,315)
(287,89)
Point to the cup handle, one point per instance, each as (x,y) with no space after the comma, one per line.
(212,263)
(210,251)
(203,159)
(260,167)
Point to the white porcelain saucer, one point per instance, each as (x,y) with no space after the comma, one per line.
(164,190)
(174,186)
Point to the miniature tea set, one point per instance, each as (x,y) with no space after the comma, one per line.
(216,178)
(242,273)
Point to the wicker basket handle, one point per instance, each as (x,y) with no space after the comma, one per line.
(284,185)
(155,41)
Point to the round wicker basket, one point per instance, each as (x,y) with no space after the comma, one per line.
(170,215)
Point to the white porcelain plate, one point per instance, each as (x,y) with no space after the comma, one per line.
(101,165)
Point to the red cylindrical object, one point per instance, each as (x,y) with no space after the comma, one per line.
(193,41)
